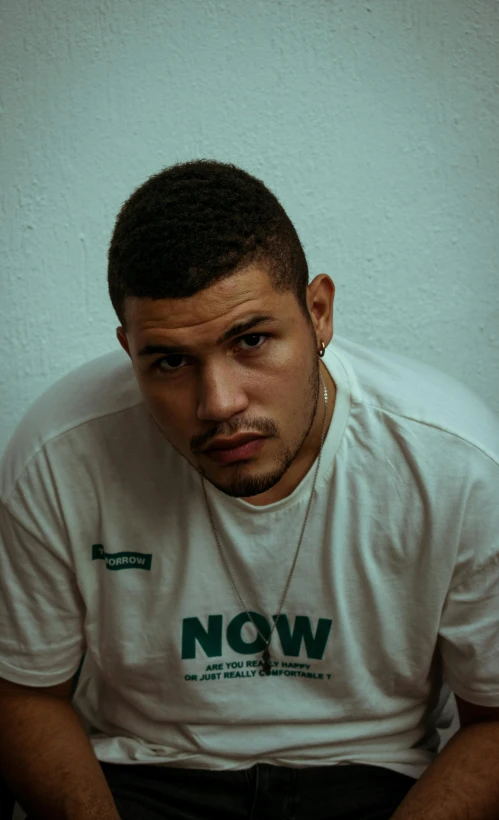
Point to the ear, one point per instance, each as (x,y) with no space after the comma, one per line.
(320,299)
(123,340)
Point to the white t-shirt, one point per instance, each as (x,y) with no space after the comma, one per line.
(106,548)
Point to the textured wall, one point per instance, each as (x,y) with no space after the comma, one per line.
(375,123)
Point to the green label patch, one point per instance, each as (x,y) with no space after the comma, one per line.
(121,560)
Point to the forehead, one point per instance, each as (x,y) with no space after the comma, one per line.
(211,310)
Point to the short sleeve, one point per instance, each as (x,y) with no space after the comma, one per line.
(41,609)
(469,624)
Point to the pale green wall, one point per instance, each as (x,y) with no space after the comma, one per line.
(376,124)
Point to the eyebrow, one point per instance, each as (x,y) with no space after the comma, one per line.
(236,330)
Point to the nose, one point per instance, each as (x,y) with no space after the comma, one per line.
(220,394)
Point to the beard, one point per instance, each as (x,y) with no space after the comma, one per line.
(244,485)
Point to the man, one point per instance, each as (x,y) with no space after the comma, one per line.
(271,555)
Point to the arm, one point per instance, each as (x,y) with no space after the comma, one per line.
(462,781)
(46,756)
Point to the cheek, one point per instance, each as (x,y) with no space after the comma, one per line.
(172,420)
(290,378)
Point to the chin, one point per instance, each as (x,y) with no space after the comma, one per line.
(244,485)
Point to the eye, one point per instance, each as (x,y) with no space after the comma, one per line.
(254,336)
(175,356)
(175,359)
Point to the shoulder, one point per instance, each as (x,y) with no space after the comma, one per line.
(426,401)
(101,389)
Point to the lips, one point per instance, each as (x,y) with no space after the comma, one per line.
(243,452)
(230,444)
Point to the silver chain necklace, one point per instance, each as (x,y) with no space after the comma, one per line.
(266,641)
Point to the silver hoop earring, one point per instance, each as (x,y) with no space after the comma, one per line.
(322,350)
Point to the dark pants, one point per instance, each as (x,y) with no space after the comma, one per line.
(353,792)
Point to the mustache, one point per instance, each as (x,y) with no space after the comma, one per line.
(266,427)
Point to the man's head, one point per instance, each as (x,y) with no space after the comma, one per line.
(198,249)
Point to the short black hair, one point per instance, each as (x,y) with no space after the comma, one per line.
(198,222)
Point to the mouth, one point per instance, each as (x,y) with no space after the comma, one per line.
(240,452)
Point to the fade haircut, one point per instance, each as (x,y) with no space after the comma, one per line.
(196,223)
